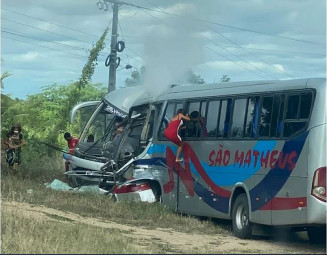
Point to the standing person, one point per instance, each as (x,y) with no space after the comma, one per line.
(14,141)
(72,143)
(171,132)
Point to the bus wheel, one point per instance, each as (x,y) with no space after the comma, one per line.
(317,235)
(242,227)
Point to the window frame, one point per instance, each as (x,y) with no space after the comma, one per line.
(283,94)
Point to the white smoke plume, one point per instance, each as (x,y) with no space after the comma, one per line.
(172,48)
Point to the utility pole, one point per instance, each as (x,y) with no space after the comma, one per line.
(112,58)
(113,52)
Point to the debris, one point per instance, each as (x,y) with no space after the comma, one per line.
(93,189)
(59,185)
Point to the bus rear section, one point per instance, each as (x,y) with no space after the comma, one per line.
(316,181)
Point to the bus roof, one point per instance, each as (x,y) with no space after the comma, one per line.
(233,88)
(124,98)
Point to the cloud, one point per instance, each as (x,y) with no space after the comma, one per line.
(165,43)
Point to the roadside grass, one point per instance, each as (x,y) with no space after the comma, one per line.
(28,186)
(24,235)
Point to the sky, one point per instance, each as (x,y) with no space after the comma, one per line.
(47,42)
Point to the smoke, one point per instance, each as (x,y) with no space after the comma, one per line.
(171,48)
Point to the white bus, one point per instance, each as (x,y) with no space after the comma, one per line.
(254,152)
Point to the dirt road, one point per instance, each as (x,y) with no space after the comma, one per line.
(176,242)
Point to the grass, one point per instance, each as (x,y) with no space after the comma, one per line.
(22,235)
(101,206)
(28,186)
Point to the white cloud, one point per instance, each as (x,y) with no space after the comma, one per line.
(301,19)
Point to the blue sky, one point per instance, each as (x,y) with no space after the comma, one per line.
(46,42)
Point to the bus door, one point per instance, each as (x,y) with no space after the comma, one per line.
(169,179)
(188,200)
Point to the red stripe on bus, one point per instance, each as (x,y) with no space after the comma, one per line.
(284,203)
(131,188)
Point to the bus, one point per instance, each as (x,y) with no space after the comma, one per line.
(90,155)
(254,153)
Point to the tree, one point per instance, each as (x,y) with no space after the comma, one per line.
(225,78)
(3,76)
(89,67)
(136,78)
(191,77)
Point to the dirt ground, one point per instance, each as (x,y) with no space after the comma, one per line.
(177,242)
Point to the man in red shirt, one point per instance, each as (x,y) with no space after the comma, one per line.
(72,143)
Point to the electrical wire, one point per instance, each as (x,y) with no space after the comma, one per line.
(3,36)
(260,59)
(122,34)
(69,37)
(49,22)
(221,48)
(39,39)
(224,25)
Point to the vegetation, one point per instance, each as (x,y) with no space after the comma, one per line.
(88,69)
(45,116)
(43,236)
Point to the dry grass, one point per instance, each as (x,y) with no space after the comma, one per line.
(51,237)
(24,235)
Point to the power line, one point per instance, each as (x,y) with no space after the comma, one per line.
(226,38)
(56,24)
(39,39)
(223,25)
(43,46)
(234,62)
(72,38)
(217,45)
(280,51)
(122,34)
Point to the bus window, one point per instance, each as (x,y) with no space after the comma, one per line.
(192,127)
(274,119)
(292,106)
(212,118)
(224,118)
(238,117)
(168,115)
(291,128)
(298,111)
(265,117)
(252,117)
(306,99)
(202,120)
(280,116)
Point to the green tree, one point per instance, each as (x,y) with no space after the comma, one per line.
(4,76)
(89,67)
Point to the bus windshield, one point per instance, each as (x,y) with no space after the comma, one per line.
(100,129)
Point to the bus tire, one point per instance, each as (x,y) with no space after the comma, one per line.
(242,227)
(317,235)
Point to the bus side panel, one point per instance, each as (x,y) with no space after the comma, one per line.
(261,216)
(317,158)
(289,204)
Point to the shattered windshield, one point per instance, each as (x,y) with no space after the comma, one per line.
(100,129)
